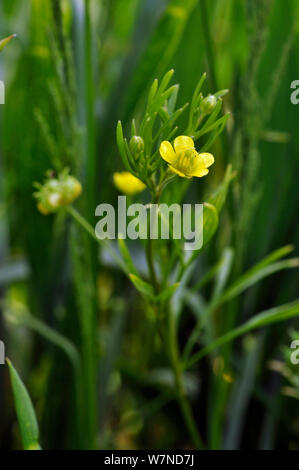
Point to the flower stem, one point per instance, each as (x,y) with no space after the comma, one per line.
(90,230)
(150,262)
(181,392)
(150,251)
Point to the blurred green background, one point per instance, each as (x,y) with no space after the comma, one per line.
(75,68)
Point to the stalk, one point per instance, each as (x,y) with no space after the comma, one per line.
(89,106)
(150,262)
(173,351)
(181,392)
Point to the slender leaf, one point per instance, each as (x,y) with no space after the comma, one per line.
(167,293)
(25,411)
(268,317)
(127,256)
(160,49)
(218,197)
(253,276)
(142,286)
(5,41)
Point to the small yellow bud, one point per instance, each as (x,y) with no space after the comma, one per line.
(128,183)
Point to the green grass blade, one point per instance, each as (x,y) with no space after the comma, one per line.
(5,41)
(254,275)
(218,197)
(161,48)
(142,286)
(268,317)
(25,411)
(124,250)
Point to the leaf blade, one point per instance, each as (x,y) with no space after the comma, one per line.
(25,411)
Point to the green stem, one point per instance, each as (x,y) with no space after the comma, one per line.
(181,393)
(87,321)
(90,230)
(150,251)
(173,351)
(84,297)
(150,262)
(89,105)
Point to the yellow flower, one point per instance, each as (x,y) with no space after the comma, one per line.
(128,183)
(183,159)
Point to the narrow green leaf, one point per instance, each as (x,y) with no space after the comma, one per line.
(121,147)
(206,278)
(196,92)
(268,317)
(152,93)
(41,328)
(274,256)
(224,272)
(160,49)
(127,256)
(221,93)
(165,81)
(218,197)
(211,122)
(142,286)
(167,293)
(254,275)
(25,411)
(218,128)
(5,41)
(210,222)
(172,100)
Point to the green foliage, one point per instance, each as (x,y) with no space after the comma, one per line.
(25,411)
(138,314)
(5,41)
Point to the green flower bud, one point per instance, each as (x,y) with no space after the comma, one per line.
(57,192)
(49,202)
(208,104)
(136,146)
(71,189)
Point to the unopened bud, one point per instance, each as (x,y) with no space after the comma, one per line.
(71,189)
(136,145)
(208,104)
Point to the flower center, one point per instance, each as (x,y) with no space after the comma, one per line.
(186,161)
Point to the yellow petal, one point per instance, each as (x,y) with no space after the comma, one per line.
(200,172)
(178,172)
(128,183)
(183,142)
(167,152)
(207,159)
